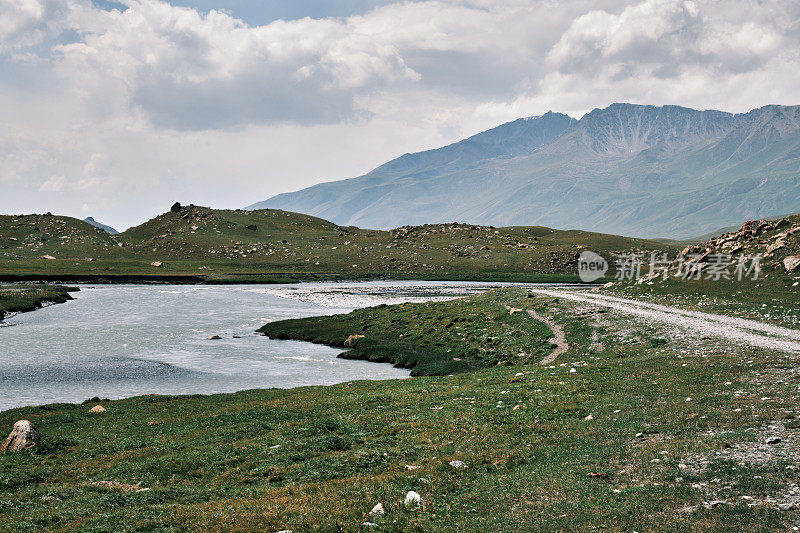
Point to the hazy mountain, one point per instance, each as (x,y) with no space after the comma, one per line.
(628,169)
(96,224)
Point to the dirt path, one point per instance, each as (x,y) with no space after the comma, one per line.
(559,339)
(738,330)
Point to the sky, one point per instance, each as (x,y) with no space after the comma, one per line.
(118,109)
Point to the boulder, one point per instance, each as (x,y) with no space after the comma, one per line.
(791,262)
(214,338)
(176,207)
(251,227)
(97,409)
(378,509)
(351,339)
(23,436)
(156,263)
(413,500)
(458,464)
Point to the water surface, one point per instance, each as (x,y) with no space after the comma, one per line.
(121,340)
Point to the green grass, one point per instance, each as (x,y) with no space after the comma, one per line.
(198,244)
(319,458)
(18,298)
(429,338)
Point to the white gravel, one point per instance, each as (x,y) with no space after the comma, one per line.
(738,330)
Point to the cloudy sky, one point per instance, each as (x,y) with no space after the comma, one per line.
(118,109)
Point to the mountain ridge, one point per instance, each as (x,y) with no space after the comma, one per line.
(649,171)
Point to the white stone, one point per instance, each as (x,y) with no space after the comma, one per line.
(413,500)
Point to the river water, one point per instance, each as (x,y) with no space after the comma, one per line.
(117,341)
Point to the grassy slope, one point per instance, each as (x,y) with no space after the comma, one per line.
(23,298)
(322,457)
(773,297)
(218,246)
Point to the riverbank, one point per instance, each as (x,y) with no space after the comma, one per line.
(435,338)
(19,298)
(635,427)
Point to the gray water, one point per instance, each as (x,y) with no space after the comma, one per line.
(121,340)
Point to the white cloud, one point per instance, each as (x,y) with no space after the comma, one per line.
(127,110)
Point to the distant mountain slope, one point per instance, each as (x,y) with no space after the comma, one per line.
(96,224)
(627,169)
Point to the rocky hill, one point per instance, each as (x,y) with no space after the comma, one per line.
(777,242)
(243,245)
(627,169)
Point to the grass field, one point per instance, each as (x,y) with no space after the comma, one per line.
(19,298)
(198,244)
(633,428)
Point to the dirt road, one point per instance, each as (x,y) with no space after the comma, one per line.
(738,330)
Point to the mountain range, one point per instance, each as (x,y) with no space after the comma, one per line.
(96,224)
(637,170)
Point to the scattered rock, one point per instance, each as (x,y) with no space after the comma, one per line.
(116,485)
(214,338)
(715,503)
(23,436)
(791,262)
(351,339)
(378,509)
(413,500)
(458,464)
(97,409)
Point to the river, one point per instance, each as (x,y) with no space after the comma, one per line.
(116,341)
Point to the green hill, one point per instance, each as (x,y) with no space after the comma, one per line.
(195,243)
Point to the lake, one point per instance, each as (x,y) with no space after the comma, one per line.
(116,341)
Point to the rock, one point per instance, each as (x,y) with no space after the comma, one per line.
(116,485)
(715,503)
(23,436)
(214,338)
(351,339)
(773,440)
(458,464)
(97,409)
(378,509)
(792,262)
(176,207)
(156,263)
(413,500)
